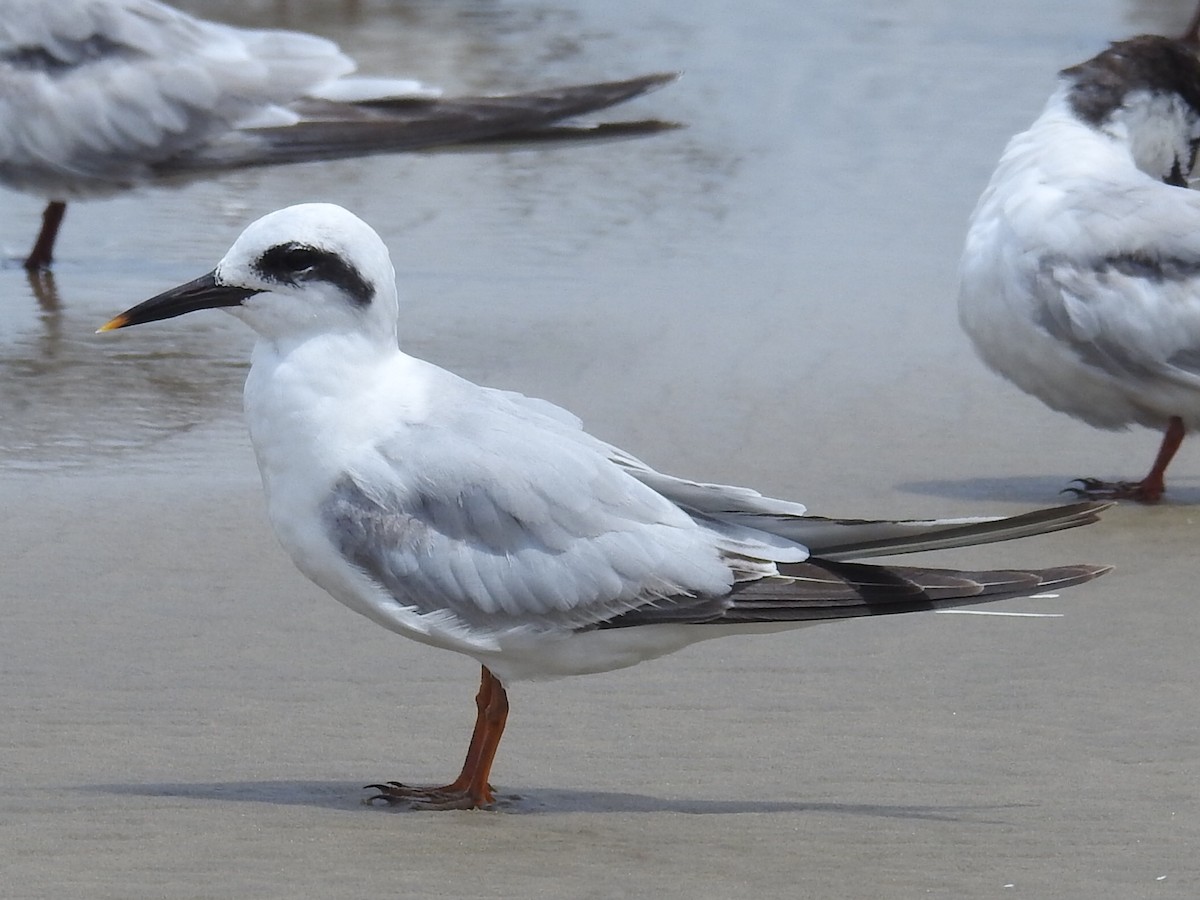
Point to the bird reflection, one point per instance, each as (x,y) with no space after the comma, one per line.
(45,291)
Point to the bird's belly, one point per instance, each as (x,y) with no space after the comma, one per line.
(1005,325)
(543,657)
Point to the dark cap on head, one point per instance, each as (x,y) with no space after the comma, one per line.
(1148,63)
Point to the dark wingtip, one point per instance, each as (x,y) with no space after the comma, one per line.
(660,79)
(550,134)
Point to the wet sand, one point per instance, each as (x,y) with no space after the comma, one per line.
(766,297)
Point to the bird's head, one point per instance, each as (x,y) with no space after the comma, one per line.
(1144,92)
(307,269)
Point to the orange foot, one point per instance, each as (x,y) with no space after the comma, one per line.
(1145,491)
(471,789)
(451,796)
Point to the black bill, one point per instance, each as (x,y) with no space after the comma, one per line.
(203,293)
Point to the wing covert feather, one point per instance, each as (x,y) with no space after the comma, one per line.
(518,526)
(1129,315)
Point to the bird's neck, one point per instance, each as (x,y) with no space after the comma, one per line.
(1147,137)
(308,402)
(1045,171)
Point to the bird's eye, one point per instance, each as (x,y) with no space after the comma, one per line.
(293,263)
(287,262)
(298,259)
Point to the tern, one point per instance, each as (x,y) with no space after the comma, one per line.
(489,523)
(1080,276)
(102,96)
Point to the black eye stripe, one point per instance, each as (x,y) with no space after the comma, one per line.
(297,259)
(292,263)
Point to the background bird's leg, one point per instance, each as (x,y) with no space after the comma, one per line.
(1151,488)
(42,253)
(470,790)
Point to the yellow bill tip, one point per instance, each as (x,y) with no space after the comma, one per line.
(113,324)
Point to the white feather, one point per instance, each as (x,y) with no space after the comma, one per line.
(1080,278)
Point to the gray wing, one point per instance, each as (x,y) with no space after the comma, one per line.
(822,590)
(97,96)
(328,131)
(494,569)
(1115,278)
(507,518)
(93,93)
(748,514)
(854,539)
(506,515)
(1135,315)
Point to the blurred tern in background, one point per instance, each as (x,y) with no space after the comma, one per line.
(489,523)
(1080,278)
(101,96)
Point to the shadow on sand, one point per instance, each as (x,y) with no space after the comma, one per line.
(346,795)
(1037,490)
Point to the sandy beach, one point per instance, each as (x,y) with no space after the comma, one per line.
(765,297)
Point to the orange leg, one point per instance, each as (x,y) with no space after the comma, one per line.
(470,790)
(42,253)
(1151,488)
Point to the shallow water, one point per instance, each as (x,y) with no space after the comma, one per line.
(765,296)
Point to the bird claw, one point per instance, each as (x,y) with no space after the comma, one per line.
(391,785)
(1089,488)
(1098,489)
